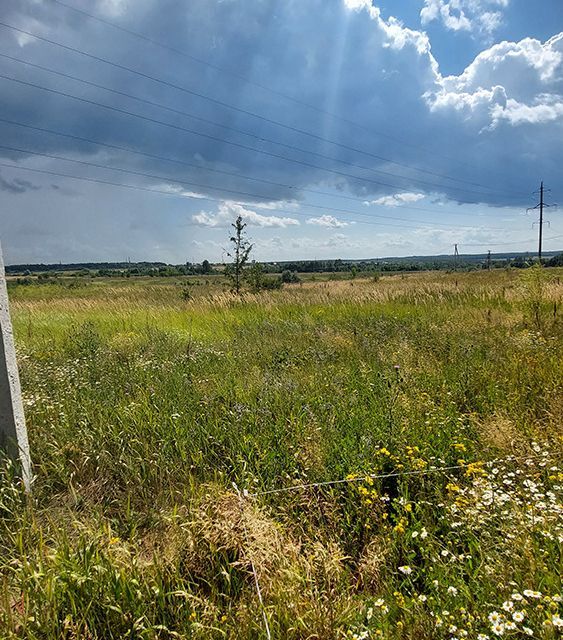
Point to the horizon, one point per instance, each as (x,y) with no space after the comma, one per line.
(497,255)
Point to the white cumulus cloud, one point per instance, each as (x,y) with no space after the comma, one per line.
(514,82)
(476,16)
(396,199)
(228,211)
(327,221)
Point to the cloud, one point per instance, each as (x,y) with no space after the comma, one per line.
(396,199)
(495,128)
(327,221)
(513,82)
(17,185)
(228,211)
(174,189)
(477,16)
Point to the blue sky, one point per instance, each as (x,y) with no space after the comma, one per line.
(336,128)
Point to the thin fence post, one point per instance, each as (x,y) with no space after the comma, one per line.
(254,573)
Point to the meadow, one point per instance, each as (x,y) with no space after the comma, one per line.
(165,415)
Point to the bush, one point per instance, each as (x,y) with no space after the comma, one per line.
(289,277)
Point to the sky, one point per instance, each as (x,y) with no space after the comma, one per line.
(140,129)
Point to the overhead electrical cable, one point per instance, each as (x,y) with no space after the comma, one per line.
(200,133)
(230,72)
(201,167)
(178,195)
(263,138)
(197,185)
(186,90)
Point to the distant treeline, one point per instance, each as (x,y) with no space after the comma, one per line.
(161,269)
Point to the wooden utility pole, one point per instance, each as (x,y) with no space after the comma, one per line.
(13,432)
(489,260)
(456,256)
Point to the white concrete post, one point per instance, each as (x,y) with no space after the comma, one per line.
(13,432)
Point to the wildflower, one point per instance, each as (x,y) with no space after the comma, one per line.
(452,591)
(518,616)
(516,597)
(400,526)
(556,621)
(498,629)
(508,605)
(369,613)
(453,488)
(423,533)
(527,631)
(494,617)
(482,636)
(379,602)
(414,534)
(406,570)
(422,598)
(509,626)
(452,628)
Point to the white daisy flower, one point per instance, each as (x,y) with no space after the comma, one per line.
(518,616)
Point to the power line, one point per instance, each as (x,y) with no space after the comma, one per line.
(213,170)
(203,96)
(210,199)
(206,198)
(491,244)
(176,194)
(269,140)
(215,188)
(198,133)
(257,84)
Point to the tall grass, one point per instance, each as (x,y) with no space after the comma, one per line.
(143,408)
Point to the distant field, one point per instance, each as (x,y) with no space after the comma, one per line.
(147,398)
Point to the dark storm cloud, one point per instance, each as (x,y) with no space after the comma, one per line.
(17,185)
(345,61)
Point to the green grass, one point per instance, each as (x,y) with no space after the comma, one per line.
(143,408)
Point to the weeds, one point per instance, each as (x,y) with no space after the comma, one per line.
(142,410)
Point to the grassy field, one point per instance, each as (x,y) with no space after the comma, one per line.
(147,399)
